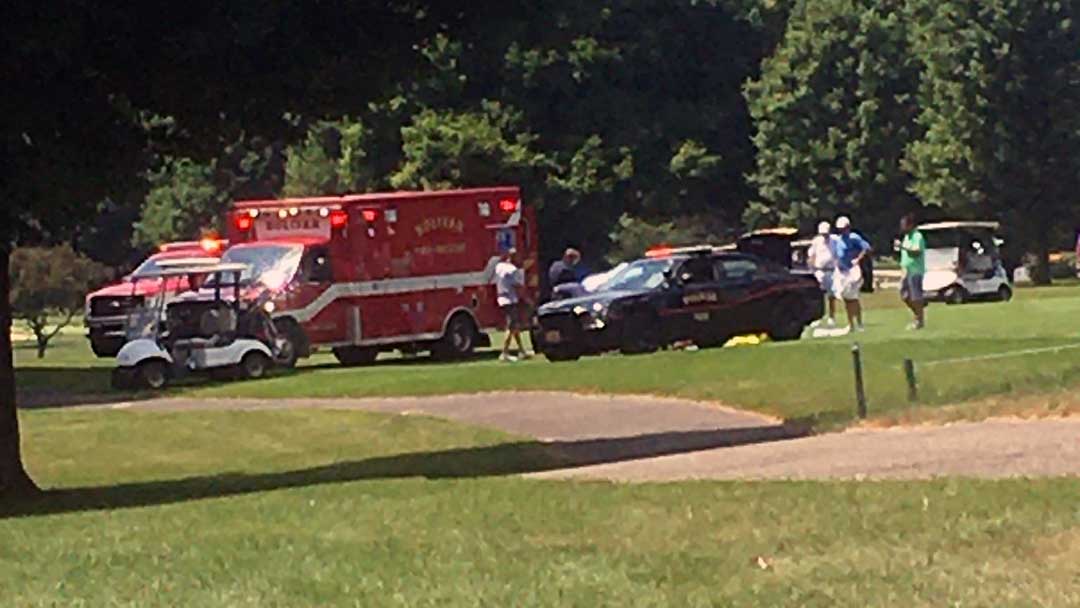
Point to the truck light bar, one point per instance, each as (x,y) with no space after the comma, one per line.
(508,205)
(244,222)
(339,218)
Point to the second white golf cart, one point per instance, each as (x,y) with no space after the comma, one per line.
(209,329)
(963,263)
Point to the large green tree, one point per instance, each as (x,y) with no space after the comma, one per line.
(86,75)
(1000,107)
(834,110)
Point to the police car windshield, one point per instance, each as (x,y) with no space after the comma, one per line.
(640,275)
(271,265)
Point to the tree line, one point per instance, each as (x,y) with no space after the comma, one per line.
(620,118)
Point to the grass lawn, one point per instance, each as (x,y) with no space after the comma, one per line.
(347,508)
(811,379)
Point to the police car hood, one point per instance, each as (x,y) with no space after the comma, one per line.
(603,298)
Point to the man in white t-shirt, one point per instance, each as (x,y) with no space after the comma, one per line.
(510,296)
(821,260)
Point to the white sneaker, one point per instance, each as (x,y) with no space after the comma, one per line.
(860,329)
(525,355)
(830,323)
(507,358)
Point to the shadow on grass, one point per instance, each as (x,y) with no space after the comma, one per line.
(50,387)
(57,387)
(476,462)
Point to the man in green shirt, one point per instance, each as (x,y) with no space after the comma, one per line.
(913,267)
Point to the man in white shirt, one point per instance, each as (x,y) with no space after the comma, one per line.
(821,260)
(510,296)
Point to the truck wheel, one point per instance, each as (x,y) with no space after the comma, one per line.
(458,341)
(152,375)
(105,348)
(353,356)
(254,365)
(294,342)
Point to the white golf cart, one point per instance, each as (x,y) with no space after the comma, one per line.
(211,329)
(963,263)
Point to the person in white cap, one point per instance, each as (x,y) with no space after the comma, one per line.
(849,249)
(821,261)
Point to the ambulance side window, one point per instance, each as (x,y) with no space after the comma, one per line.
(316,266)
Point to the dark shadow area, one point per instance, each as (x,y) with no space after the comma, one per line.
(397,360)
(488,461)
(49,387)
(58,387)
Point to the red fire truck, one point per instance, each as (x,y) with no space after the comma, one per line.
(360,274)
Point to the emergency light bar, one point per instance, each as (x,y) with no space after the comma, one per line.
(508,205)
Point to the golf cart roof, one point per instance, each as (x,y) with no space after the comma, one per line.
(960,225)
(176,270)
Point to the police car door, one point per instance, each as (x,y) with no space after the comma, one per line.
(696,299)
(738,280)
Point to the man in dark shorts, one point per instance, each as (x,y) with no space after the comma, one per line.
(511,297)
(913,267)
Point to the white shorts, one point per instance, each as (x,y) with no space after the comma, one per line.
(825,279)
(847,283)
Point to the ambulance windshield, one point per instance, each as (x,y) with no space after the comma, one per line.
(271,265)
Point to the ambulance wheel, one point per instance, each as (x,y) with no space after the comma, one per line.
(254,365)
(1004,293)
(459,339)
(153,375)
(294,342)
(353,356)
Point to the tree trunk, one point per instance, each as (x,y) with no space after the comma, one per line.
(14,480)
(1041,276)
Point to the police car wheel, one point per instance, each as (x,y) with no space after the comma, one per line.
(556,355)
(641,336)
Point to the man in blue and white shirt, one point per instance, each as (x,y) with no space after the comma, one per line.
(849,249)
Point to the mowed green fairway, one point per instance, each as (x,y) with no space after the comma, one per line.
(313,508)
(810,379)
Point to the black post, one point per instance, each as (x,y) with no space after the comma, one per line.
(860,390)
(912,385)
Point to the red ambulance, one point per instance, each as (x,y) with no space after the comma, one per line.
(365,273)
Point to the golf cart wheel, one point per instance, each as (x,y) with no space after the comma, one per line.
(153,375)
(254,365)
(458,341)
(294,343)
(353,356)
(105,348)
(956,295)
(1004,293)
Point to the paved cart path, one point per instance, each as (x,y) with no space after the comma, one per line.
(660,439)
(988,449)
